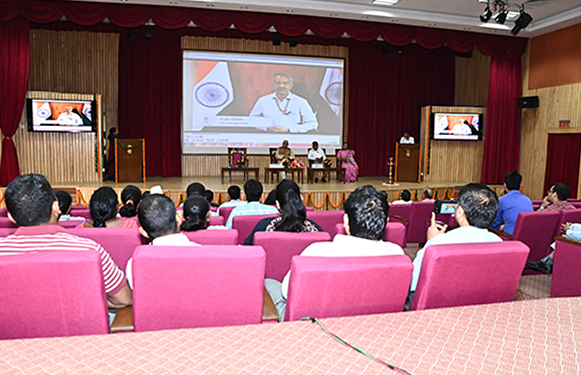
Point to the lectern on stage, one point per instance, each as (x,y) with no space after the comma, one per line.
(130,160)
(407,162)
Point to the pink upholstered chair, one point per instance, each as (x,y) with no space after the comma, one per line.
(69,224)
(245,224)
(567,216)
(5,232)
(565,281)
(5,222)
(421,212)
(577,204)
(469,274)
(213,209)
(119,242)
(81,211)
(225,212)
(309,208)
(394,232)
(325,287)
(216,220)
(4,212)
(401,210)
(202,286)
(52,293)
(280,247)
(214,237)
(327,219)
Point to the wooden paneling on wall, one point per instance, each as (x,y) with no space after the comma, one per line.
(210,165)
(555,103)
(472,80)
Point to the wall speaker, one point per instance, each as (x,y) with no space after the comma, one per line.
(528,102)
(148,33)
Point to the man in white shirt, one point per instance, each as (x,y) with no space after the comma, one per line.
(159,222)
(407,139)
(235,201)
(69,117)
(366,214)
(288,112)
(317,156)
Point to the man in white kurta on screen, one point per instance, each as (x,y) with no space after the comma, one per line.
(69,117)
(288,112)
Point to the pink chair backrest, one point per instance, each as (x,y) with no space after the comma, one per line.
(216,220)
(4,212)
(236,156)
(469,274)
(225,212)
(566,216)
(245,225)
(327,220)
(213,209)
(5,222)
(577,204)
(394,232)
(42,297)
(200,286)
(280,247)
(421,211)
(214,237)
(325,287)
(69,224)
(402,210)
(119,242)
(308,208)
(565,281)
(5,232)
(84,212)
(535,229)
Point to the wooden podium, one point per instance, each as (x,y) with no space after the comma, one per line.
(407,162)
(130,160)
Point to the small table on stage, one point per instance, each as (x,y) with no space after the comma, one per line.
(311,173)
(239,169)
(269,170)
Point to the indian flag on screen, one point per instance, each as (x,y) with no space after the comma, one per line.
(213,88)
(332,89)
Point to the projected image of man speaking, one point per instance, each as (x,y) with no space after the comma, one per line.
(288,112)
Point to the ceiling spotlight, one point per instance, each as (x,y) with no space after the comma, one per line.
(521,22)
(501,17)
(485,17)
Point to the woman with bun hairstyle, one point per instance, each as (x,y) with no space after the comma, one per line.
(130,198)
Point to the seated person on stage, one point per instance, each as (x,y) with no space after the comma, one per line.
(407,139)
(284,153)
(366,214)
(130,198)
(209,194)
(512,203)
(293,216)
(288,112)
(405,197)
(197,215)
(556,198)
(235,201)
(253,191)
(317,156)
(33,206)
(159,222)
(428,194)
(65,202)
(477,208)
(103,207)
(346,159)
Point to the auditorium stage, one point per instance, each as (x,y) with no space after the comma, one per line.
(320,195)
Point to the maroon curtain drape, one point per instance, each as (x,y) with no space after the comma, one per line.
(503,120)
(150,82)
(14,67)
(563,151)
(386,92)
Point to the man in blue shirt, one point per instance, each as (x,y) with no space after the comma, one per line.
(253,190)
(512,203)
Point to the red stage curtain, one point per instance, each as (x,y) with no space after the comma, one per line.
(563,161)
(150,86)
(14,66)
(503,120)
(386,92)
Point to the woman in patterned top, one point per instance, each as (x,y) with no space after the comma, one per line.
(293,216)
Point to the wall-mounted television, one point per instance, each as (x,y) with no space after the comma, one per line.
(55,115)
(457,126)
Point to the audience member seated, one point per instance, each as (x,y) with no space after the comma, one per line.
(476,209)
(33,206)
(271,198)
(235,201)
(366,215)
(253,191)
(130,198)
(545,265)
(196,188)
(159,222)
(428,194)
(405,197)
(512,203)
(210,198)
(65,200)
(556,198)
(197,214)
(103,206)
(293,217)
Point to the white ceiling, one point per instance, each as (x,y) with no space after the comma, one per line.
(548,15)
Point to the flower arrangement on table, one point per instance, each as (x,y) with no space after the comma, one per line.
(240,163)
(327,163)
(297,164)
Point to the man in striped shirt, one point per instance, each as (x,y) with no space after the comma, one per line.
(33,206)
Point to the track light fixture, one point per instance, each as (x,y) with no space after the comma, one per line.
(499,9)
(485,16)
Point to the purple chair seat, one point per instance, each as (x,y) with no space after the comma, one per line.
(214,237)
(421,212)
(401,210)
(535,229)
(225,212)
(565,281)
(394,232)
(327,220)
